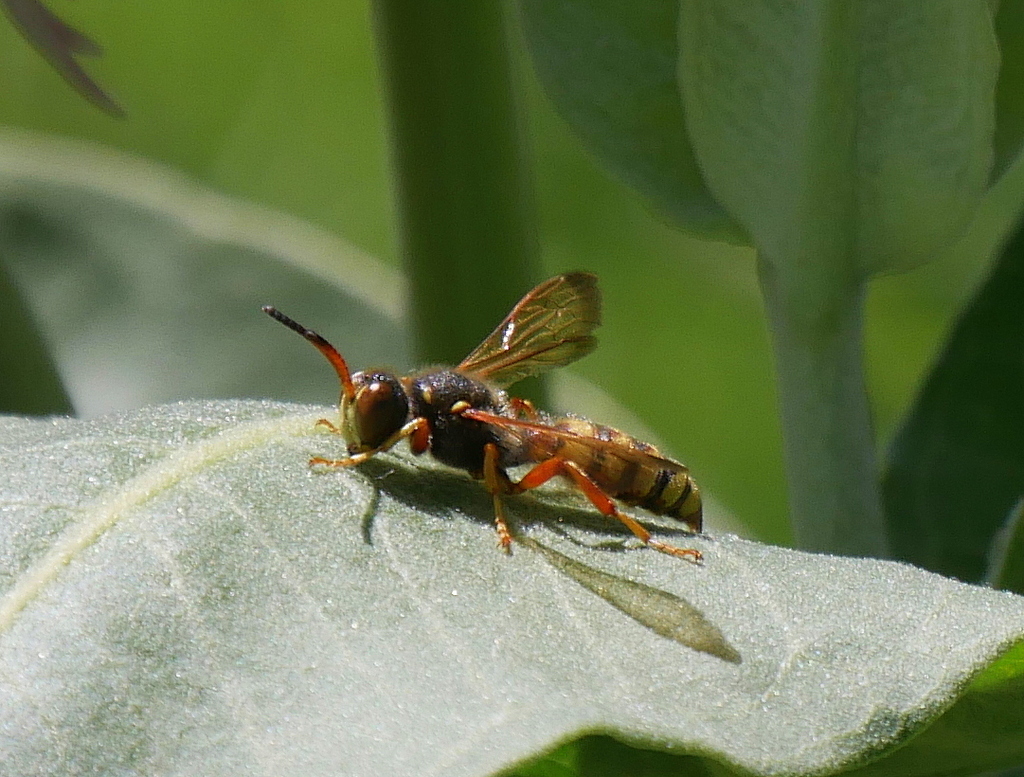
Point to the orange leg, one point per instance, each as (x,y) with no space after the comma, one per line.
(498,483)
(330,427)
(418,429)
(548,469)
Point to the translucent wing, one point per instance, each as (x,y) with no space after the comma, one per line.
(569,438)
(549,327)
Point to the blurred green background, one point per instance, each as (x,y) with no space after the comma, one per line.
(252,167)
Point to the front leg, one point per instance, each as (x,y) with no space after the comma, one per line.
(418,430)
(328,425)
(498,483)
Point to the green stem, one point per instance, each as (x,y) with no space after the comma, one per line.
(467,230)
(828,443)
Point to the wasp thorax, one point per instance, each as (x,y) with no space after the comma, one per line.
(379,408)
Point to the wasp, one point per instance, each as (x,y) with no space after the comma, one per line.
(466,420)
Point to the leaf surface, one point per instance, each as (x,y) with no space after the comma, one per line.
(182,594)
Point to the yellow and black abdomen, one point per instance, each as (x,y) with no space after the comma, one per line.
(674,493)
(627,469)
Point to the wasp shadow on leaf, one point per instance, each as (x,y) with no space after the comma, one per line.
(442,492)
(422,488)
(666,614)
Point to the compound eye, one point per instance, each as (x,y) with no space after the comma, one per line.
(381,409)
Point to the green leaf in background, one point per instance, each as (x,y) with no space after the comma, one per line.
(182,593)
(609,68)
(29,382)
(846,138)
(956,468)
(602,756)
(1009,133)
(148,287)
(1006,556)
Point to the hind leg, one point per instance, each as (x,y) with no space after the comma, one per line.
(548,469)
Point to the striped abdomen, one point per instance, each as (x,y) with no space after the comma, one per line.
(627,469)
